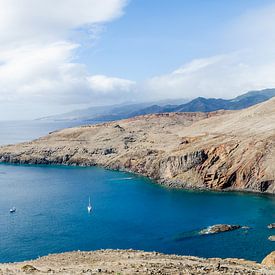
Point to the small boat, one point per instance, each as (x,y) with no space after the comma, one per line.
(89,207)
(13,210)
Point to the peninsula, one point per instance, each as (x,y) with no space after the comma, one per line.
(223,150)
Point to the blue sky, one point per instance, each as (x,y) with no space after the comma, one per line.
(156,36)
(61,55)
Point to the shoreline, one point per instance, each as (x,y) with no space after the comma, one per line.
(195,151)
(162,183)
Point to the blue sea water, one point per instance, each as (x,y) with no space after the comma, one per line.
(128,212)
(20,131)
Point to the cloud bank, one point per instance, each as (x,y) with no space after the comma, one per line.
(37,57)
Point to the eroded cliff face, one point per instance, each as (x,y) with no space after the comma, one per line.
(220,150)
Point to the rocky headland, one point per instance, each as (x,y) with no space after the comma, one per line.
(224,150)
(136,262)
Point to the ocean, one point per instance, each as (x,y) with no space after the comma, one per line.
(129,211)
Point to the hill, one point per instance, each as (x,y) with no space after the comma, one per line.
(225,150)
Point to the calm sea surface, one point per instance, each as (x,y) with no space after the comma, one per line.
(128,212)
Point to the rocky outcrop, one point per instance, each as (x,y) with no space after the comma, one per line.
(218,228)
(135,262)
(220,150)
(271,226)
(272,238)
(269,260)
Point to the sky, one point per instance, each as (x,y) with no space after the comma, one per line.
(60,55)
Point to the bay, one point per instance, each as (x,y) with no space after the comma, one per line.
(129,211)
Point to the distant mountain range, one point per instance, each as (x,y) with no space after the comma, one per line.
(200,104)
(111,112)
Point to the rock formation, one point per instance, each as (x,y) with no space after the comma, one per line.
(269,260)
(218,228)
(226,150)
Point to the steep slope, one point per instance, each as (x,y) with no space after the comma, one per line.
(227,150)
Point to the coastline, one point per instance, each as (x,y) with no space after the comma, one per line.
(169,160)
(178,150)
(176,185)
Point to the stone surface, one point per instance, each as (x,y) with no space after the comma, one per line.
(271,226)
(232,150)
(135,262)
(219,228)
(269,260)
(272,238)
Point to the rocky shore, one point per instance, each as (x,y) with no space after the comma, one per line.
(219,151)
(135,262)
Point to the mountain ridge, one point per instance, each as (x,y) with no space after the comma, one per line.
(199,104)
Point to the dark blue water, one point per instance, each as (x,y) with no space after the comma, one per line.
(129,211)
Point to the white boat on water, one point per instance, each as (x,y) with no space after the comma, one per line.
(89,207)
(13,210)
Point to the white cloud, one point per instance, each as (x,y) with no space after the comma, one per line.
(46,74)
(219,76)
(36,55)
(37,64)
(103,84)
(52,19)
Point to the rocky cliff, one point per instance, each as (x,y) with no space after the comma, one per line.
(232,150)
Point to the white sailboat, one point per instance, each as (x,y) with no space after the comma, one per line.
(12,210)
(89,207)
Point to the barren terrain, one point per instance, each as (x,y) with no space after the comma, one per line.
(220,150)
(135,262)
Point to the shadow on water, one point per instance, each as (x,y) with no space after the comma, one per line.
(182,236)
(186,235)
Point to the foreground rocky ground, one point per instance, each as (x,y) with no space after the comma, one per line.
(220,150)
(135,262)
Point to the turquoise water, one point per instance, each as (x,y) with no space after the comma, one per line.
(129,212)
